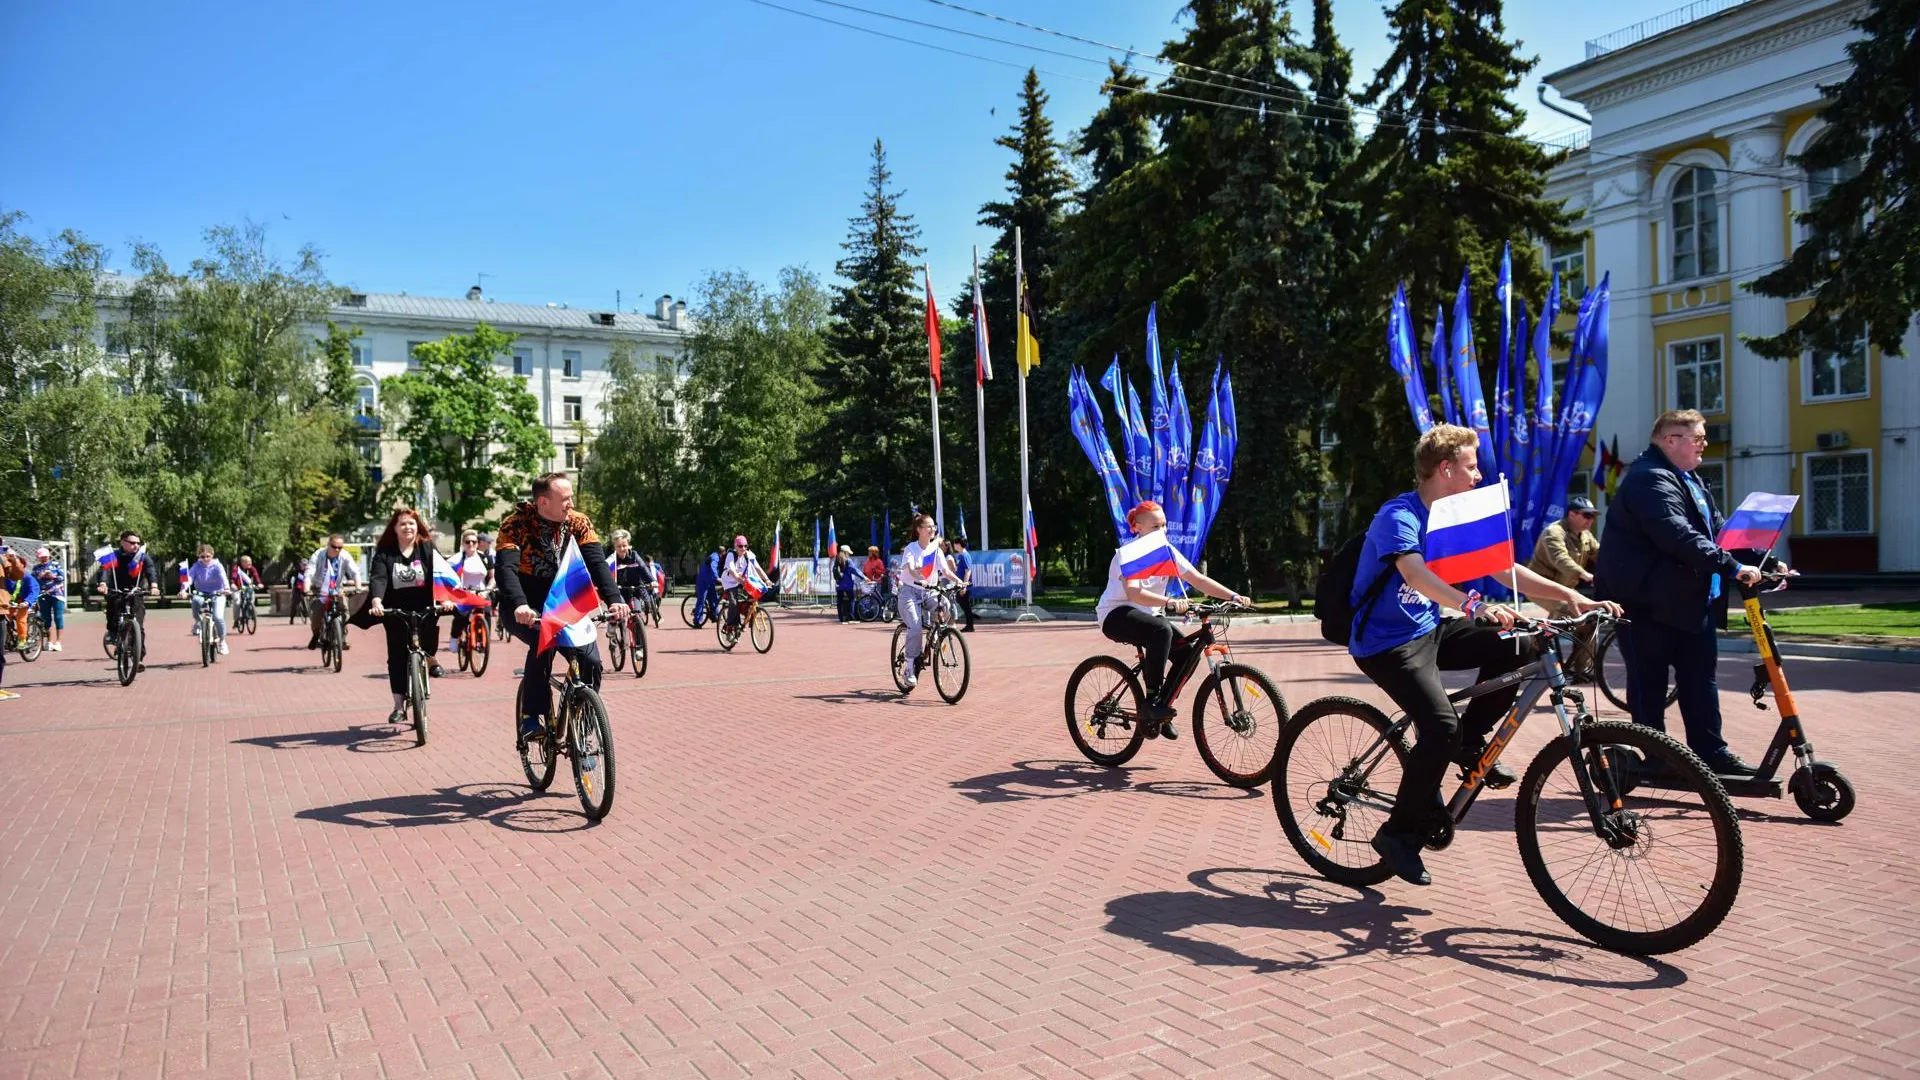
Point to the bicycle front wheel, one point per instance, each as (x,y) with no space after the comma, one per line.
(952,668)
(1237,717)
(637,645)
(1668,868)
(131,645)
(417,700)
(897,658)
(481,646)
(35,642)
(538,756)
(1610,670)
(1335,772)
(590,745)
(1106,711)
(761,630)
(207,645)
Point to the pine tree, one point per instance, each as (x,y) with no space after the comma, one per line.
(1120,135)
(871,449)
(1858,258)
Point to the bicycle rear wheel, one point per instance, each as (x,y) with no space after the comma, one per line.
(339,631)
(36,640)
(952,668)
(538,757)
(616,645)
(761,630)
(1671,869)
(728,639)
(417,699)
(590,746)
(686,612)
(638,647)
(897,658)
(482,643)
(1238,735)
(1610,670)
(1334,775)
(1106,711)
(865,608)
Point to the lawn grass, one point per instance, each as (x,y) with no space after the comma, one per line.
(1892,619)
(1085,600)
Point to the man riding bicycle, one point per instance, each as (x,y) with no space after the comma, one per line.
(330,573)
(130,569)
(739,568)
(532,541)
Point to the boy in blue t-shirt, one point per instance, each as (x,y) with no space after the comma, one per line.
(1402,644)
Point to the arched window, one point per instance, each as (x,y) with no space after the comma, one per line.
(366,405)
(1696,225)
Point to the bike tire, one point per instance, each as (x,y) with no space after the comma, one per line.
(128,660)
(760,630)
(339,632)
(540,757)
(417,699)
(890,610)
(686,612)
(1099,711)
(865,608)
(1249,714)
(110,643)
(952,666)
(616,647)
(1662,819)
(590,749)
(897,658)
(35,642)
(1302,776)
(638,648)
(482,650)
(207,645)
(720,620)
(1614,684)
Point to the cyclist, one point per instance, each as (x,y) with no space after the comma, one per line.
(247,581)
(22,589)
(739,567)
(53,595)
(1130,612)
(1401,643)
(207,582)
(133,567)
(921,559)
(629,567)
(401,579)
(533,540)
(475,569)
(330,573)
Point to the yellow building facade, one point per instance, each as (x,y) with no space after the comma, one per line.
(1686,193)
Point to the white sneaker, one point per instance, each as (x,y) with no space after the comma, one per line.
(913,678)
(194,630)
(223,648)
(55,646)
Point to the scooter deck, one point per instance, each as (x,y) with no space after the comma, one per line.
(1743,786)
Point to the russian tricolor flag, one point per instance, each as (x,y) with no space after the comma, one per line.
(107,557)
(753,582)
(1758,523)
(1467,535)
(1033,546)
(930,559)
(448,590)
(833,541)
(183,574)
(1148,556)
(564,619)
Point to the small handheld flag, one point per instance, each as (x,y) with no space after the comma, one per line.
(1758,523)
(773,557)
(1467,535)
(183,573)
(564,617)
(1149,556)
(107,557)
(448,590)
(930,559)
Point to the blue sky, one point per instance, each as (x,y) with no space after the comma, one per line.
(566,150)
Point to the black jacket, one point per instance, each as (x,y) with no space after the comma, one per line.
(1657,555)
(380,584)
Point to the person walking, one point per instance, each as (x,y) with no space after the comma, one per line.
(53,595)
(1658,558)
(846,578)
(1565,555)
(963,566)
(706,588)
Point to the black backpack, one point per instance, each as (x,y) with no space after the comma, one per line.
(1332,603)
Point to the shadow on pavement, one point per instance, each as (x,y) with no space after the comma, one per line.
(1028,780)
(360,738)
(1355,924)
(886,696)
(502,805)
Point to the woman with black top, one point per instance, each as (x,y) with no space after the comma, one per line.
(401,579)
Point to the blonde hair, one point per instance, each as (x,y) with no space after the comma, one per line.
(1439,446)
(1676,418)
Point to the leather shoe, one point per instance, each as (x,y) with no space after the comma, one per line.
(1402,856)
(1728,763)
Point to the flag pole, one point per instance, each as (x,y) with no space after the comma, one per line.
(933,402)
(980,393)
(1026,507)
(1513,568)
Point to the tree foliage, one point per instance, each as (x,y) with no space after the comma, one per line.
(638,467)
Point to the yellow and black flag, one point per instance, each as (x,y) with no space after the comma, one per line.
(1026,350)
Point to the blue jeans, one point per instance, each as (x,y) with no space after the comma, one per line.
(219,611)
(53,611)
(536,694)
(1650,648)
(706,603)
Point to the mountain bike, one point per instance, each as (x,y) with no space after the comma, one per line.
(940,646)
(577,728)
(729,624)
(33,643)
(419,687)
(206,628)
(1634,869)
(1237,713)
(126,638)
(246,618)
(475,643)
(333,630)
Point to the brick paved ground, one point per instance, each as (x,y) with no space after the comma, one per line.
(237,872)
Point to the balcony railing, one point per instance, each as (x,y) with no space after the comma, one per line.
(1659,24)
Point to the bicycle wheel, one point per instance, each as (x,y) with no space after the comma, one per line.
(110,643)
(686,612)
(638,648)
(417,698)
(482,645)
(250,622)
(897,658)
(728,639)
(1334,776)
(35,642)
(1610,667)
(538,757)
(339,632)
(1237,736)
(1670,869)
(131,643)
(207,645)
(952,668)
(890,609)
(760,629)
(1106,711)
(865,608)
(590,746)
(616,645)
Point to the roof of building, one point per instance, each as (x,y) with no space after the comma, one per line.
(497,313)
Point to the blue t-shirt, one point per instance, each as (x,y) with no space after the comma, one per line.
(1400,613)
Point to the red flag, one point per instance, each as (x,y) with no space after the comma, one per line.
(933,331)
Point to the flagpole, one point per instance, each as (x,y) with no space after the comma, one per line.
(1026,507)
(1513,568)
(933,404)
(980,396)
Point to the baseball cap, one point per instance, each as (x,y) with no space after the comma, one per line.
(1580,503)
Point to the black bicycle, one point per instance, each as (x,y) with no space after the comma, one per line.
(246,618)
(1237,713)
(1634,868)
(577,727)
(1610,670)
(419,687)
(941,647)
(125,639)
(333,631)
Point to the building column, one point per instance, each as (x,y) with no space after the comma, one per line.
(1896,512)
(1760,458)
(1622,251)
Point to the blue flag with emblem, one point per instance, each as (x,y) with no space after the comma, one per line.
(1403,353)
(1091,433)
(1503,378)
(1466,380)
(1179,443)
(1157,417)
(1442,372)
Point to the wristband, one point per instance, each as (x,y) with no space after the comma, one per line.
(1472,605)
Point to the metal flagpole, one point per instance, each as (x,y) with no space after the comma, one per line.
(933,400)
(979,390)
(1019,343)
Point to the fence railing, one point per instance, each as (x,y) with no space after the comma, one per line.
(1659,24)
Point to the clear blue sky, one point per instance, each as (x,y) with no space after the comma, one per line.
(567,150)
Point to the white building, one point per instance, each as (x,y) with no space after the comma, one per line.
(1686,194)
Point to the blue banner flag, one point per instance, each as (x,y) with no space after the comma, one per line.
(1443,378)
(1520,425)
(1586,375)
(1539,465)
(1139,468)
(1403,353)
(1466,380)
(816,536)
(1503,379)
(1206,478)
(1139,446)
(886,530)
(963,523)
(1091,433)
(1157,418)
(1179,443)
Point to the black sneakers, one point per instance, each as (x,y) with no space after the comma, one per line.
(1401,853)
(1728,763)
(1498,776)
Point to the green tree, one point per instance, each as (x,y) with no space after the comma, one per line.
(468,426)
(637,472)
(1858,258)
(870,451)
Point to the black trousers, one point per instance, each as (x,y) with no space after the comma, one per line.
(536,694)
(966,606)
(1650,648)
(1410,674)
(1153,635)
(844,599)
(399,637)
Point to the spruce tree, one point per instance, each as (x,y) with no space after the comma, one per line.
(1120,135)
(1858,258)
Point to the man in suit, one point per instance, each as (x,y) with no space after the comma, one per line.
(1659,560)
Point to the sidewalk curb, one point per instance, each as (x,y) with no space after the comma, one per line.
(1884,654)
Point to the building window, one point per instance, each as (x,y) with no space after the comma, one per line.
(1834,376)
(362,354)
(570,411)
(523,361)
(1333,504)
(1696,225)
(413,358)
(1840,493)
(1699,378)
(669,412)
(369,451)
(570,456)
(1570,261)
(115,338)
(1713,474)
(570,363)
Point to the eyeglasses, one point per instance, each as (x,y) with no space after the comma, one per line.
(469,540)
(135,542)
(333,548)
(1697,440)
